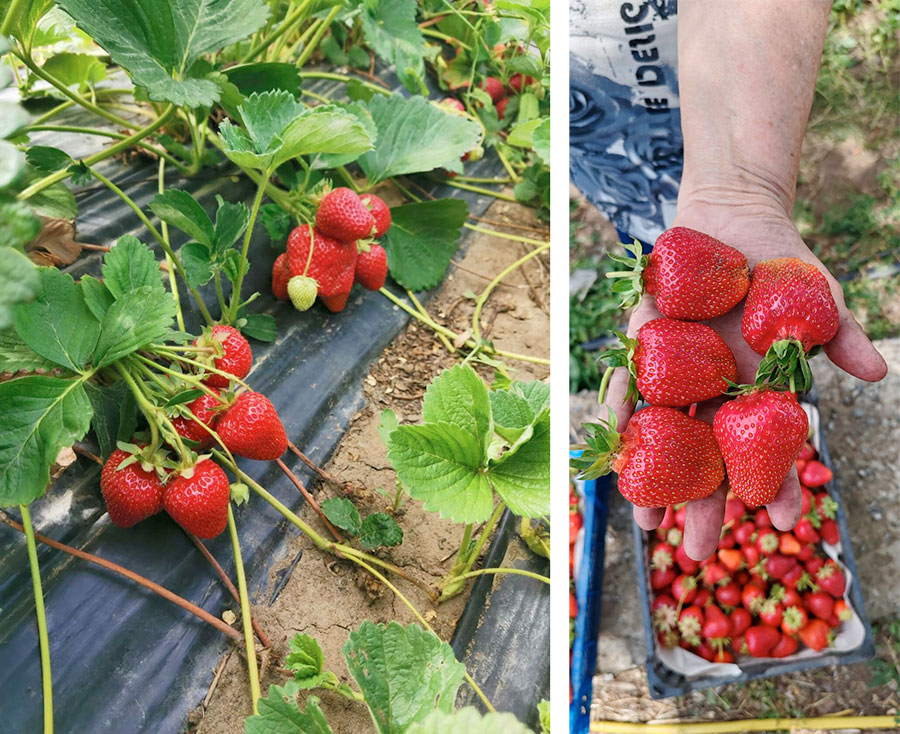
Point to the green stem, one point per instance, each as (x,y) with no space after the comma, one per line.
(485,294)
(317,36)
(604,383)
(343,78)
(505,236)
(254,211)
(150,411)
(246,619)
(170,269)
(53,112)
(475,179)
(480,190)
(76,98)
(101,155)
(303,37)
(463,555)
(284,26)
(175,357)
(10,17)
(444,37)
(506,164)
(483,537)
(515,571)
(46,677)
(220,295)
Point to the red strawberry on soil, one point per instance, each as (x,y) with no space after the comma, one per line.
(371,267)
(381,212)
(236,357)
(332,264)
(251,428)
(199,503)
(343,216)
(760,434)
(131,493)
(206,409)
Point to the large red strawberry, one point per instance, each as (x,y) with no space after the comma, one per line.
(663,457)
(381,212)
(236,357)
(251,428)
(199,502)
(343,216)
(331,265)
(206,409)
(693,276)
(494,87)
(281,274)
(760,434)
(676,363)
(131,493)
(371,267)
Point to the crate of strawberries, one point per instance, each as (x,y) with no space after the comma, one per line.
(766,602)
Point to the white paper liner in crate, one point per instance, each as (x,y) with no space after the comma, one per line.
(850,634)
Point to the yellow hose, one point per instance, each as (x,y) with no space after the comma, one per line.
(722,727)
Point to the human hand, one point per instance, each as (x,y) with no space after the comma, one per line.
(761,233)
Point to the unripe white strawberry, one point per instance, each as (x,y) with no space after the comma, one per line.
(302,291)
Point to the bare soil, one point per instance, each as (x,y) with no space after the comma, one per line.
(326,598)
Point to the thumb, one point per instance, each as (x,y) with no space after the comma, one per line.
(852,351)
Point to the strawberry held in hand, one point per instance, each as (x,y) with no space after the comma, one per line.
(760,434)
(664,457)
(693,276)
(676,363)
(343,216)
(233,354)
(251,428)
(131,493)
(331,265)
(198,500)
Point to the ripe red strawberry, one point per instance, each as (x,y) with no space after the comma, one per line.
(332,264)
(793,577)
(684,589)
(281,274)
(842,610)
(675,363)
(760,434)
(500,106)
(199,503)
(371,267)
(494,87)
(760,639)
(518,80)
(792,598)
(788,300)
(787,645)
(705,650)
(206,410)
(663,611)
(704,598)
(664,457)
(761,518)
(693,276)
(813,565)
(830,578)
(777,565)
(236,359)
(662,556)
(131,494)
(741,620)
(681,517)
(715,574)
(829,532)
(661,578)
(337,303)
(807,452)
(731,558)
(690,624)
(735,510)
(687,564)
(807,552)
(668,521)
(751,555)
(575,524)
(815,474)
(343,216)
(716,625)
(729,595)
(771,612)
(743,533)
(753,596)
(805,531)
(381,212)
(816,634)
(806,496)
(573,606)
(251,428)
(767,541)
(788,545)
(819,604)
(793,620)
(739,645)
(723,656)
(726,540)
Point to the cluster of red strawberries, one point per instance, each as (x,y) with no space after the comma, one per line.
(325,260)
(576,523)
(138,481)
(666,456)
(499,94)
(763,592)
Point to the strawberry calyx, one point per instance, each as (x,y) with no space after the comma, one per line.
(151,459)
(786,364)
(629,283)
(624,357)
(598,452)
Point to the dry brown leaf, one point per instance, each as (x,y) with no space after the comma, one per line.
(55,245)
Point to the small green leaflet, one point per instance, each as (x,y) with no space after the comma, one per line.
(522,478)
(306,660)
(422,240)
(41,415)
(469,721)
(341,512)
(57,323)
(75,70)
(404,673)
(15,355)
(115,414)
(280,714)
(541,140)
(18,226)
(544,713)
(130,265)
(259,326)
(391,30)
(459,396)
(157,41)
(27,16)
(386,424)
(179,209)
(96,296)
(378,529)
(133,321)
(414,136)
(18,282)
(56,201)
(277,223)
(47,159)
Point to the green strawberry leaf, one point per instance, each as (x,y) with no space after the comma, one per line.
(179,209)
(198,266)
(157,41)
(306,661)
(469,721)
(57,324)
(440,464)
(343,513)
(259,326)
(378,529)
(74,70)
(391,29)
(18,226)
(404,673)
(414,136)
(540,139)
(232,219)
(386,424)
(422,240)
(277,223)
(513,415)
(139,317)
(41,415)
(280,714)
(96,296)
(18,282)
(522,477)
(333,160)
(459,396)
(16,355)
(115,414)
(47,159)
(130,265)
(56,201)
(27,16)
(263,76)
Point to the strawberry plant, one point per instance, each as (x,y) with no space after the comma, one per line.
(219,87)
